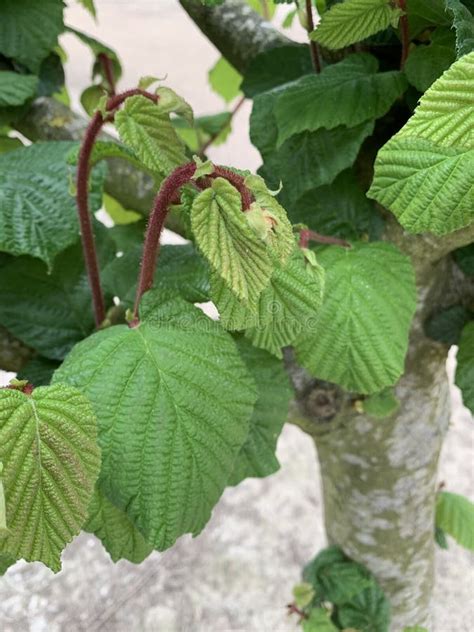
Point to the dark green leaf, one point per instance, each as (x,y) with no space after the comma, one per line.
(463,22)
(51,76)
(369,611)
(465,367)
(447,324)
(464,257)
(38,371)
(15,89)
(440,538)
(426,63)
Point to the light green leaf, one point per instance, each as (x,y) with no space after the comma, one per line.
(463,22)
(425,173)
(147,130)
(49,312)
(173,399)
(234,314)
(256,458)
(3,510)
(15,89)
(415,628)
(360,337)
(353,21)
(225,80)
(117,533)
(29,29)
(347,93)
(89,6)
(171,103)
(228,242)
(104,149)
(382,404)
(303,594)
(369,610)
(48,446)
(9,143)
(289,306)
(465,366)
(91,98)
(38,215)
(455,516)
(118,214)
(319,621)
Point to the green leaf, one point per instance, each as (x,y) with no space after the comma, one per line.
(353,21)
(340,209)
(225,80)
(38,216)
(118,214)
(455,516)
(465,366)
(425,173)
(325,558)
(312,159)
(289,306)
(29,29)
(425,64)
(175,385)
(179,268)
(257,456)
(441,539)
(104,149)
(381,405)
(3,510)
(38,371)
(171,103)
(319,621)
(49,312)
(274,67)
(117,533)
(341,581)
(148,131)
(360,337)
(51,77)
(48,446)
(303,594)
(228,242)
(234,314)
(369,611)
(91,98)
(447,324)
(464,258)
(15,89)
(97,48)
(423,15)
(5,562)
(415,628)
(463,22)
(89,6)
(9,143)
(347,93)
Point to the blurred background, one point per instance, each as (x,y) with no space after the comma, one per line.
(238,575)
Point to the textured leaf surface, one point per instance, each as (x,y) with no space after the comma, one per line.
(354,20)
(148,131)
(225,80)
(49,312)
(455,516)
(38,215)
(48,446)
(463,22)
(15,89)
(289,306)
(115,530)
(226,239)
(425,173)
(369,610)
(257,456)
(5,562)
(465,366)
(319,620)
(347,93)
(173,399)
(29,29)
(360,337)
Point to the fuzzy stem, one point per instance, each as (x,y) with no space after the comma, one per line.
(166,194)
(108,69)
(314,48)
(238,182)
(310,235)
(404,33)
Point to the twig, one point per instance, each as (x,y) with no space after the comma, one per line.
(314,48)
(307,235)
(202,150)
(107,67)
(405,36)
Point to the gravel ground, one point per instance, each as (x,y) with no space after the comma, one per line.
(237,576)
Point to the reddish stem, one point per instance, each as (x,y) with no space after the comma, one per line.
(82,196)
(238,182)
(405,36)
(166,195)
(307,235)
(293,609)
(314,48)
(108,68)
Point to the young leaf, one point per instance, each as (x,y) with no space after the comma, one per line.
(113,527)
(347,93)
(289,306)
(38,215)
(15,89)
(353,21)
(88,6)
(425,173)
(455,516)
(48,446)
(225,80)
(49,311)
(147,130)
(29,29)
(173,399)
(369,610)
(257,456)
(319,620)
(465,366)
(228,242)
(463,22)
(360,336)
